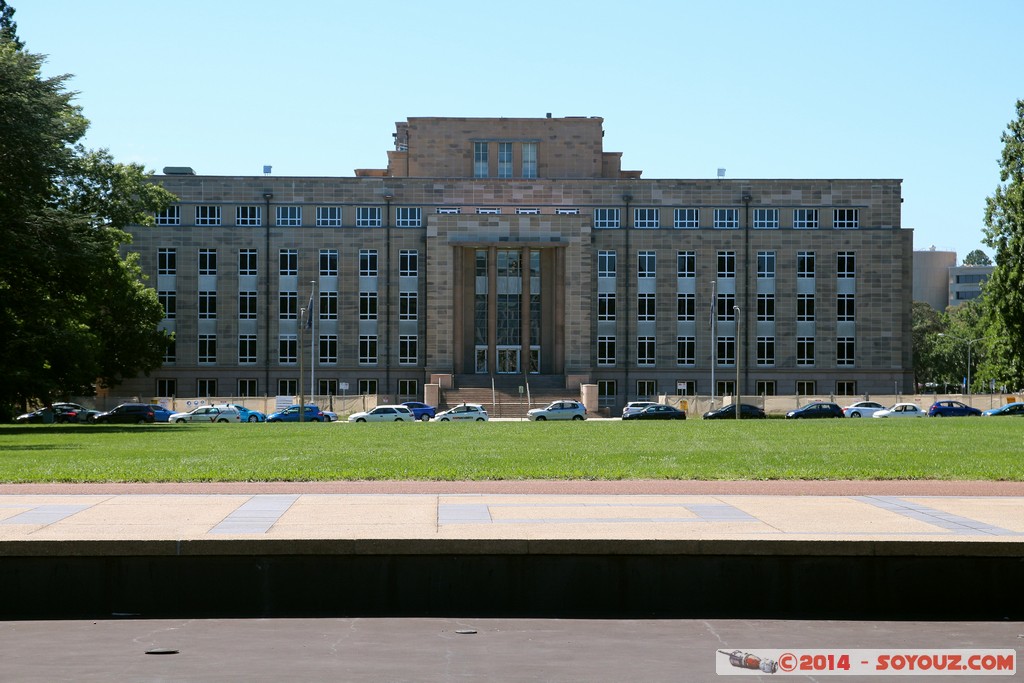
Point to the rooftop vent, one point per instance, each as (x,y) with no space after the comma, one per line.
(178,170)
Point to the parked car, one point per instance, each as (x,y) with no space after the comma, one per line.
(952,409)
(246,414)
(330,416)
(384,414)
(291,414)
(902,410)
(862,409)
(635,407)
(559,410)
(160,414)
(1008,410)
(421,411)
(747,412)
(126,413)
(207,414)
(59,413)
(465,412)
(658,412)
(815,410)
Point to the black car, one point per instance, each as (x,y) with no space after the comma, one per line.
(816,410)
(127,413)
(747,412)
(657,412)
(59,413)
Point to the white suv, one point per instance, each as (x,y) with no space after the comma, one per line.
(384,414)
(559,410)
(466,412)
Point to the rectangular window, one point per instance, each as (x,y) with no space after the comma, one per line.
(765,387)
(645,351)
(408,217)
(449,210)
(846,308)
(207,261)
(167,387)
(246,349)
(766,219)
(567,212)
(607,392)
(247,216)
(289,305)
(727,219)
(726,347)
(169,300)
(408,349)
(491,211)
(408,305)
(206,388)
(247,305)
(207,215)
(646,218)
(367,387)
(727,264)
(328,262)
(207,349)
(287,349)
(169,216)
(805,264)
(529,150)
(369,217)
(328,217)
(606,351)
(844,351)
(765,308)
(247,262)
(805,350)
(289,215)
(480,160)
(686,264)
(686,218)
(368,262)
(686,307)
(367,305)
(606,264)
(726,387)
(766,351)
(686,387)
(766,264)
(528,212)
(289,262)
(846,264)
(408,388)
(207,305)
(846,387)
(606,306)
(504,159)
(408,263)
(645,307)
(248,387)
(805,308)
(328,344)
(645,264)
(166,261)
(367,349)
(328,305)
(805,387)
(646,388)
(686,350)
(606,218)
(726,304)
(805,219)
(845,219)
(287,387)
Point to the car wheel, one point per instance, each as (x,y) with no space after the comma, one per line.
(480,419)
(937,415)
(424,418)
(541,418)
(315,419)
(253,418)
(180,420)
(140,421)
(577,417)
(854,414)
(443,419)
(361,419)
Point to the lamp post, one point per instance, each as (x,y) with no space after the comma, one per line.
(736,310)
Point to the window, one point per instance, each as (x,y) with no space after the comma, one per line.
(368,217)
(328,305)
(805,350)
(169,300)
(645,307)
(480,160)
(846,264)
(289,305)
(289,262)
(726,303)
(367,349)
(645,264)
(606,306)
(686,350)
(845,308)
(207,215)
(686,218)
(408,387)
(248,387)
(207,305)
(289,215)
(727,264)
(845,351)
(567,212)
(169,216)
(529,150)
(727,219)
(606,351)
(207,348)
(686,264)
(504,159)
(367,305)
(328,349)
(846,387)
(328,262)
(167,387)
(606,218)
(367,387)
(166,261)
(686,307)
(805,308)
(646,218)
(805,387)
(766,264)
(247,215)
(408,305)
(765,308)
(328,216)
(448,210)
(492,211)
(805,219)
(686,387)
(845,219)
(607,392)
(766,350)
(206,387)
(287,349)
(606,264)
(287,387)
(646,388)
(171,351)
(408,217)
(247,305)
(408,349)
(805,264)
(207,261)
(327,387)
(766,219)
(726,347)
(368,262)
(246,349)
(528,212)
(725,387)
(408,263)
(247,261)
(765,387)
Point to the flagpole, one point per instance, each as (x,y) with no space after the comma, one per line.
(714,341)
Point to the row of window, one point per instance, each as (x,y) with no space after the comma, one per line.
(686,307)
(288,349)
(288,262)
(607,389)
(686,264)
(506,161)
(248,387)
(288,305)
(725,351)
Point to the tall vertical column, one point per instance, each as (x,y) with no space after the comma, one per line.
(524,312)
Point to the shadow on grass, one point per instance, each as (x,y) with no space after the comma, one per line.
(69,429)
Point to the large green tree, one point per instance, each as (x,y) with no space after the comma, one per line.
(977,258)
(74,311)
(1004,232)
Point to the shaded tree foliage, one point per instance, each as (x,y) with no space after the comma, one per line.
(977,258)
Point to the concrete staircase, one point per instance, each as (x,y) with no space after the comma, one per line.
(504,400)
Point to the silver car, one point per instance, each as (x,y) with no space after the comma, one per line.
(384,414)
(207,414)
(559,410)
(466,412)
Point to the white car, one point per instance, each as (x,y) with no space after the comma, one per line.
(207,414)
(384,414)
(862,409)
(636,407)
(465,412)
(902,410)
(559,410)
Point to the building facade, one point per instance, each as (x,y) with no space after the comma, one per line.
(518,249)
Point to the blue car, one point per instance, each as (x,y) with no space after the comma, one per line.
(247,414)
(160,414)
(1009,410)
(952,409)
(291,414)
(420,411)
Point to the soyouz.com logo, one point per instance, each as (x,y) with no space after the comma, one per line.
(894,662)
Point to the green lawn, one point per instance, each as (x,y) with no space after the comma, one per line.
(955,448)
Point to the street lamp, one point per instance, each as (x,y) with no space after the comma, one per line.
(969,342)
(736,351)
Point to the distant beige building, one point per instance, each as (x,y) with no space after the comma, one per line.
(519,250)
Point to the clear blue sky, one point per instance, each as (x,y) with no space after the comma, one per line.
(918,90)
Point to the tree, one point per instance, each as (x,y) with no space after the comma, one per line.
(74,311)
(926,325)
(977,258)
(1004,232)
